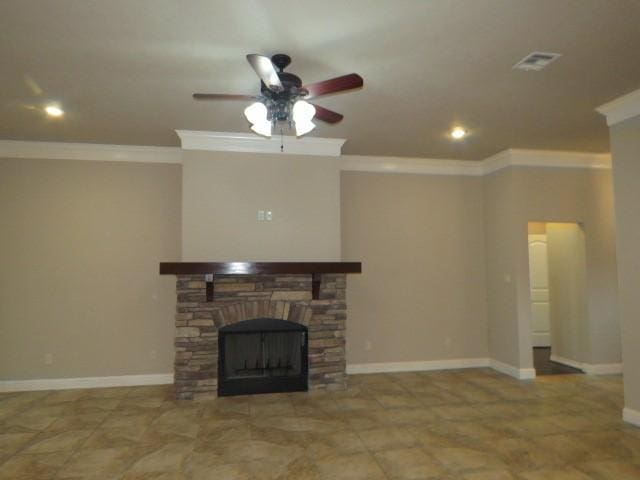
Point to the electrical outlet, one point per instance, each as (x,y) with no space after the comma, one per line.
(260,215)
(268,215)
(48,358)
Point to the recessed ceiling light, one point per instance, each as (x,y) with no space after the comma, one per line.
(458,132)
(54,111)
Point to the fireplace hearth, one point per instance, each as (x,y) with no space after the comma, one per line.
(264,355)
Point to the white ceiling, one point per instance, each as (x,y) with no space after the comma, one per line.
(124,70)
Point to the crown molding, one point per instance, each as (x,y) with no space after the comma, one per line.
(420,166)
(250,143)
(305,146)
(89,151)
(545,159)
(622,108)
(499,161)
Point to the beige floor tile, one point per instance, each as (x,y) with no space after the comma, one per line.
(224,430)
(523,454)
(358,403)
(96,463)
(10,443)
(115,437)
(380,439)
(165,459)
(612,470)
(565,446)
(264,450)
(457,412)
(182,422)
(608,444)
(412,416)
(123,419)
(277,436)
(460,459)
(49,442)
(409,464)
(112,392)
(63,396)
(359,466)
(299,469)
(532,426)
(289,422)
(333,444)
(321,424)
(493,474)
(95,404)
(33,467)
(474,424)
(224,452)
(156,391)
(271,408)
(80,421)
(235,471)
(28,421)
(562,473)
(435,436)
(393,400)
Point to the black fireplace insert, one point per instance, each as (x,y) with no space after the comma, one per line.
(263,355)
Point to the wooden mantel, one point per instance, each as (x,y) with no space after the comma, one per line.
(210,269)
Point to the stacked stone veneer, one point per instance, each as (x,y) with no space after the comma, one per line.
(245,297)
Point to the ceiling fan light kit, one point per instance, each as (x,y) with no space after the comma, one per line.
(283,98)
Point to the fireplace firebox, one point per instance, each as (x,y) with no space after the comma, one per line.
(263,355)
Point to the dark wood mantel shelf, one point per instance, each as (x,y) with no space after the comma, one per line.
(210,269)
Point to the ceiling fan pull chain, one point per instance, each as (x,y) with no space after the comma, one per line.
(281,141)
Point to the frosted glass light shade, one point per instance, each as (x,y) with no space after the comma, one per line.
(303,112)
(256,113)
(262,128)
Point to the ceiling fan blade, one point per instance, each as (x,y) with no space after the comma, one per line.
(220,96)
(334,85)
(327,115)
(266,71)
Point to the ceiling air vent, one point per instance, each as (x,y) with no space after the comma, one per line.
(536,61)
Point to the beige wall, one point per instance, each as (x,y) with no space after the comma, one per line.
(222,193)
(445,261)
(500,237)
(567,292)
(625,148)
(79,249)
(518,195)
(421,295)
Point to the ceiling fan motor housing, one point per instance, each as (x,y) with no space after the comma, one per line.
(281,61)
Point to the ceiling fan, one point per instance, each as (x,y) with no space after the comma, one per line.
(283,98)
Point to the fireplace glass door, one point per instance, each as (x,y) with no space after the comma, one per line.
(261,356)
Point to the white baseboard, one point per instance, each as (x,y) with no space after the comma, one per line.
(602,368)
(631,416)
(590,368)
(85,382)
(417,366)
(515,372)
(568,362)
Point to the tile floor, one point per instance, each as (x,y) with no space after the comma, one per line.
(465,424)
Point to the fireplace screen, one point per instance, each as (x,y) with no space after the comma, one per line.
(261,356)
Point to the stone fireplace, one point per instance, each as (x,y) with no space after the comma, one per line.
(316,301)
